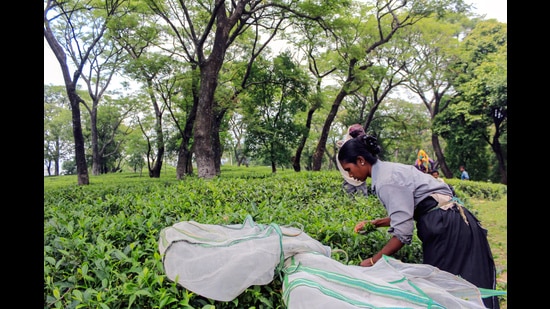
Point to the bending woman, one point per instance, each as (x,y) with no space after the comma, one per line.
(452,238)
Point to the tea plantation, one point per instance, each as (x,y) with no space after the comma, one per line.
(101,240)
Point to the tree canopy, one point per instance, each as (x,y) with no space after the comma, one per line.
(212,79)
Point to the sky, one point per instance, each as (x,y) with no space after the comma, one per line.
(492,8)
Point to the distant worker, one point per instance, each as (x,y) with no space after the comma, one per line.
(463,174)
(423,162)
(351,185)
(435,174)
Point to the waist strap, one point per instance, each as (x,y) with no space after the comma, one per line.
(443,201)
(439,201)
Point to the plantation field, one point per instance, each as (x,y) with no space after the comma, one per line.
(101,240)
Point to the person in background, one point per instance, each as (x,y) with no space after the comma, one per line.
(423,162)
(435,174)
(350,185)
(463,173)
(452,238)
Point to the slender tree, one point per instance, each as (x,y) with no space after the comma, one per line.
(433,53)
(484,85)
(280,91)
(103,64)
(153,63)
(63,31)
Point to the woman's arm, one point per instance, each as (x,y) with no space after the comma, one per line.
(393,245)
(380,222)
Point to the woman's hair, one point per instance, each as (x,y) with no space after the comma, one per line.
(364,145)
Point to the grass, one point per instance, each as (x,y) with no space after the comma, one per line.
(493,216)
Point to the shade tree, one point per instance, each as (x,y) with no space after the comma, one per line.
(484,84)
(279,91)
(77,28)
(434,43)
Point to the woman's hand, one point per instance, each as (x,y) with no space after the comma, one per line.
(367,262)
(359,226)
(364,225)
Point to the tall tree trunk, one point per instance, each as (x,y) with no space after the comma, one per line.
(154,171)
(216,141)
(497,149)
(202,131)
(80,153)
(300,149)
(96,157)
(184,165)
(441,157)
(185,155)
(157,167)
(321,146)
(56,162)
(209,70)
(181,165)
(74,99)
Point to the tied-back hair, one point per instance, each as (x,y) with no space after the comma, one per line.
(365,146)
(357,132)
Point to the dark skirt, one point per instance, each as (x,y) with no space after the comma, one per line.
(450,244)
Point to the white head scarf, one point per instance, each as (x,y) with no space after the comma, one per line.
(345,174)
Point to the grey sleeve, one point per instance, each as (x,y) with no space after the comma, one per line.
(399,203)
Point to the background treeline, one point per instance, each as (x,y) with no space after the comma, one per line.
(101,240)
(196,84)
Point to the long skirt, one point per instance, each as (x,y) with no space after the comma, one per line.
(452,245)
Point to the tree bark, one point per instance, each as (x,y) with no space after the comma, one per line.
(204,151)
(80,153)
(184,166)
(184,153)
(209,69)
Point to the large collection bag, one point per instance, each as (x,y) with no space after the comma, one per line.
(221,261)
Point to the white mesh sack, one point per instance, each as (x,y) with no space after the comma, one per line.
(315,281)
(221,261)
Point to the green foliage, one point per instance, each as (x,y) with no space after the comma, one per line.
(101,240)
(367,228)
(480,190)
(270,110)
(475,124)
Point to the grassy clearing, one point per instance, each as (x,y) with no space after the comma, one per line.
(493,216)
